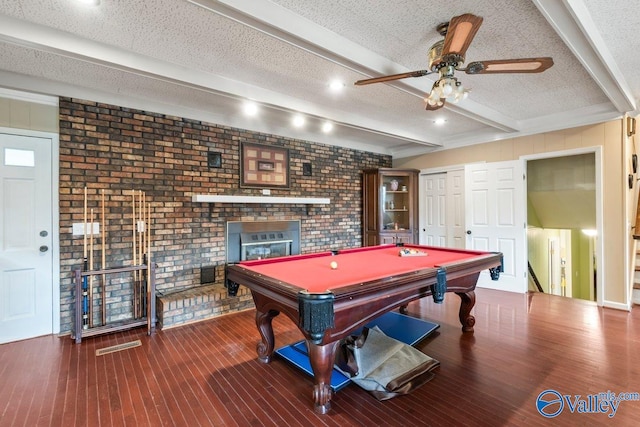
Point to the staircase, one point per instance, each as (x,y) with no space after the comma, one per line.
(635,296)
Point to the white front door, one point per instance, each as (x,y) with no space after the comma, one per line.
(496,221)
(435,219)
(26,286)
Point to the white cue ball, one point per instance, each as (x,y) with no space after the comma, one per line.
(333,265)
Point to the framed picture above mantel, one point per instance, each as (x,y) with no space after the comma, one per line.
(263,166)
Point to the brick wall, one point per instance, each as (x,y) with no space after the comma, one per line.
(116,149)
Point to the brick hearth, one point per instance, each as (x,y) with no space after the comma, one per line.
(199,303)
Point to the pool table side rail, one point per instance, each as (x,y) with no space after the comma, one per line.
(484,262)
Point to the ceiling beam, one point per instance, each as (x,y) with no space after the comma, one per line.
(573,23)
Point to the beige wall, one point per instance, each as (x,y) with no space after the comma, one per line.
(615,192)
(19,114)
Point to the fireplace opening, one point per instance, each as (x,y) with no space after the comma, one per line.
(251,240)
(265,245)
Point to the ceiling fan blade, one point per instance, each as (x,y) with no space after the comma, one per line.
(523,65)
(391,77)
(461,31)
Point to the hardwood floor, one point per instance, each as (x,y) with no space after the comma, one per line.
(207,373)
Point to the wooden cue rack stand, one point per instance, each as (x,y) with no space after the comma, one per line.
(149,319)
(142,270)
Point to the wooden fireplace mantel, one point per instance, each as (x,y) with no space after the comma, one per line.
(214,198)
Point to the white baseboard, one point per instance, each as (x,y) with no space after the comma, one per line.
(617,305)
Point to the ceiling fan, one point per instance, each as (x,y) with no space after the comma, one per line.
(447,56)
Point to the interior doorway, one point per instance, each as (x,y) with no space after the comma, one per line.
(562,224)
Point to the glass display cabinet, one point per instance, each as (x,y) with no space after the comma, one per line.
(390,206)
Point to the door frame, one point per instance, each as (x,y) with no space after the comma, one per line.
(597,151)
(55,214)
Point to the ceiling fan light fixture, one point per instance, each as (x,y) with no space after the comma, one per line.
(446,88)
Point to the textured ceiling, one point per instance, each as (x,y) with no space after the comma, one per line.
(202,58)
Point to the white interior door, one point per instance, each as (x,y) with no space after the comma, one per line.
(496,219)
(455,209)
(435,220)
(26,286)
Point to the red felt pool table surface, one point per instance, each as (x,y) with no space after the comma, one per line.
(313,273)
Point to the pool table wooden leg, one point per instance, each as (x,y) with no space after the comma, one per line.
(322,358)
(467,303)
(265,347)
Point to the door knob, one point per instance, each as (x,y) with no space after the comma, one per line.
(44,248)
(468,231)
(44,233)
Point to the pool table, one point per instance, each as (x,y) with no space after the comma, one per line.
(327,302)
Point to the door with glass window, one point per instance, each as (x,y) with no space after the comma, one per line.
(26,289)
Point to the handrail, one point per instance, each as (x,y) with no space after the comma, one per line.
(535,278)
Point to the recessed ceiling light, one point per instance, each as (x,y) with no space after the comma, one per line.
(327,127)
(336,85)
(89,2)
(440,121)
(250,108)
(298,120)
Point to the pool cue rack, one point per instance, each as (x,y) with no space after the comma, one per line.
(148,319)
(140,274)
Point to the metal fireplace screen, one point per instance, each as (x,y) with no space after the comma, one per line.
(267,244)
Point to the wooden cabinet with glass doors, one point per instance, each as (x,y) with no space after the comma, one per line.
(390,206)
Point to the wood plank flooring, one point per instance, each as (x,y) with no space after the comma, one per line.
(207,374)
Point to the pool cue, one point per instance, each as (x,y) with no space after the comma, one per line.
(104,262)
(143,230)
(148,307)
(85,307)
(141,295)
(135,273)
(91,277)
